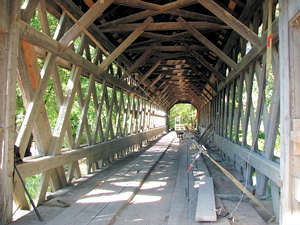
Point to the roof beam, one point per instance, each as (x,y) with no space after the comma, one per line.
(206,64)
(197,72)
(155,81)
(231,21)
(164,26)
(138,4)
(140,60)
(124,45)
(171,48)
(207,42)
(149,72)
(147,13)
(85,21)
(193,15)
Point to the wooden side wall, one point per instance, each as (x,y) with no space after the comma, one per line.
(67,67)
(245,112)
(289,33)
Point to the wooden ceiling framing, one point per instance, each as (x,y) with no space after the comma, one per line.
(175,49)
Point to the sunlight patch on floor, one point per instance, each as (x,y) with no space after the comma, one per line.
(107,198)
(140,199)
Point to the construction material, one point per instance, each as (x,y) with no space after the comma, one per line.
(206,203)
(206,206)
(203,150)
(241,187)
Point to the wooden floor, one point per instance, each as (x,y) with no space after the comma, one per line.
(146,188)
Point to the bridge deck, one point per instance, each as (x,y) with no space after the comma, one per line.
(154,183)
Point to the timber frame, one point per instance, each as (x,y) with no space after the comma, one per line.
(236,61)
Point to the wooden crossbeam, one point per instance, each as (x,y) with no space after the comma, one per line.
(140,60)
(170,48)
(33,108)
(84,111)
(44,163)
(206,64)
(207,42)
(41,40)
(124,45)
(231,21)
(43,17)
(159,26)
(138,4)
(64,111)
(149,72)
(158,36)
(149,12)
(82,103)
(87,19)
(155,81)
(193,15)
(98,128)
(248,58)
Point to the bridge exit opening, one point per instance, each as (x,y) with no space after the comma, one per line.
(183,115)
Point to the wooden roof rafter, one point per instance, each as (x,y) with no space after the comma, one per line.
(169,39)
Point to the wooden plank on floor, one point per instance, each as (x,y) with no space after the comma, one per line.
(199,172)
(179,204)
(206,204)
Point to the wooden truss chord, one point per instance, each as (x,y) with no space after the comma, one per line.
(207,43)
(148,12)
(39,39)
(138,4)
(124,45)
(150,71)
(87,19)
(159,26)
(231,21)
(206,64)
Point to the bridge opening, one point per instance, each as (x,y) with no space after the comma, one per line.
(182,115)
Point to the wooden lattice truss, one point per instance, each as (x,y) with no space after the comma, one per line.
(166,53)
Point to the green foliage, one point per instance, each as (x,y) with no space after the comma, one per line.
(52,23)
(35,21)
(186,112)
(32,184)
(20,110)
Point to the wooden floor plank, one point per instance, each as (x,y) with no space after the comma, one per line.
(206,205)
(103,204)
(179,204)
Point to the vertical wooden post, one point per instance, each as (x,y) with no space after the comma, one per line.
(289,47)
(9,47)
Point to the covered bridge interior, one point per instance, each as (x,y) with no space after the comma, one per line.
(95,80)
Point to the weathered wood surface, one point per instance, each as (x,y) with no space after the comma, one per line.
(206,203)
(231,21)
(165,26)
(34,166)
(266,167)
(9,49)
(200,37)
(206,210)
(87,19)
(106,208)
(289,109)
